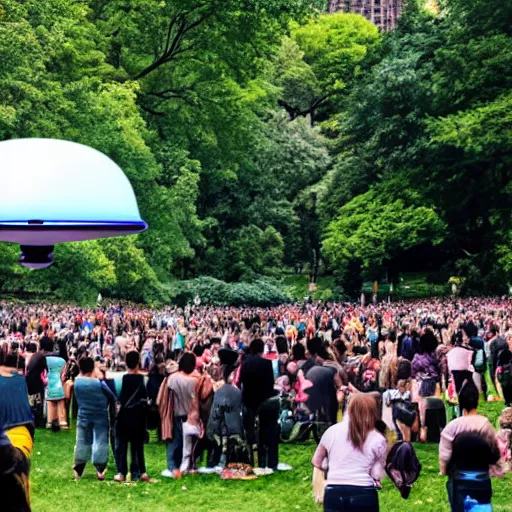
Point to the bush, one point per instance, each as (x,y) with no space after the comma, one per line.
(219,293)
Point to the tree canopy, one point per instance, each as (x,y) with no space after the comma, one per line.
(265,137)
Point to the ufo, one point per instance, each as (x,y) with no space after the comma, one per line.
(56,191)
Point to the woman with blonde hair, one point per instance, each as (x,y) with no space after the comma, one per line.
(353,453)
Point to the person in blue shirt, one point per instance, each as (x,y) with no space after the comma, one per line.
(16,436)
(55,396)
(92,427)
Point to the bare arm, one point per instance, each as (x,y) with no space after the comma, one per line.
(320,457)
(445,451)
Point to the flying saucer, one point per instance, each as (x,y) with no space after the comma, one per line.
(55,191)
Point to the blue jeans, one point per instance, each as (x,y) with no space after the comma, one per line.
(174,448)
(91,442)
(475,484)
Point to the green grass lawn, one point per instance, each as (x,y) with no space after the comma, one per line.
(53,487)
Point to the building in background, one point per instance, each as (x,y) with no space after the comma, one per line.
(384,13)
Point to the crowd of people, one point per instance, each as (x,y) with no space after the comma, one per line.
(211,382)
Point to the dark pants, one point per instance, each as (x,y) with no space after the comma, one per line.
(268,442)
(268,433)
(175,446)
(459,376)
(350,498)
(477,486)
(138,463)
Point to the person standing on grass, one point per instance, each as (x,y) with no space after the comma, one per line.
(353,452)
(258,396)
(16,437)
(468,452)
(34,377)
(426,372)
(175,408)
(93,397)
(55,396)
(131,422)
(479,360)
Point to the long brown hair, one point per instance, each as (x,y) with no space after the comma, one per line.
(363,414)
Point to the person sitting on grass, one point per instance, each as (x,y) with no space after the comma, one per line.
(131,422)
(93,397)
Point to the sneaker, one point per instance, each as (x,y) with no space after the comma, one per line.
(119,478)
(263,471)
(166,473)
(206,471)
(284,467)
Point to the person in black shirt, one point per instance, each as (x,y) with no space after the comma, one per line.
(35,385)
(131,422)
(257,381)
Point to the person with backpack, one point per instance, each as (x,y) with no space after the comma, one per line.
(131,422)
(496,345)
(468,451)
(225,426)
(504,375)
(479,360)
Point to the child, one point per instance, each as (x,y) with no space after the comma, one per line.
(131,422)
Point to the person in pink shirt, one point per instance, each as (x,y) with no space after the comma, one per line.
(459,363)
(353,453)
(469,452)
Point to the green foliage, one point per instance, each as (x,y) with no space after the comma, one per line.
(373,229)
(316,68)
(219,293)
(263,136)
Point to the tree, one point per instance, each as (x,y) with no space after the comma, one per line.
(375,227)
(324,62)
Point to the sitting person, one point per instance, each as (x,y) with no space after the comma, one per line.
(225,426)
(354,454)
(468,451)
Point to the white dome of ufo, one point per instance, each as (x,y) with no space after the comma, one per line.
(55,191)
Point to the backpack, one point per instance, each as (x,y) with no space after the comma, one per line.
(403,467)
(479,363)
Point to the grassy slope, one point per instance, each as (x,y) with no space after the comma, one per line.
(54,489)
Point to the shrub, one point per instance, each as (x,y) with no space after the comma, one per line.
(219,293)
